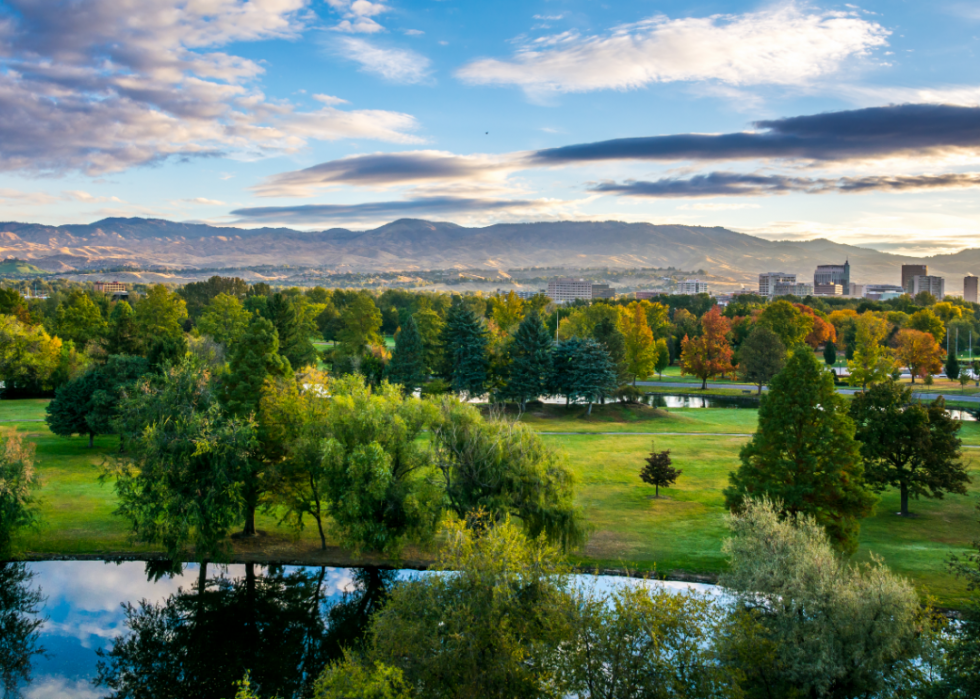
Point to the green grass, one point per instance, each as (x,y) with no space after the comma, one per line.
(682,531)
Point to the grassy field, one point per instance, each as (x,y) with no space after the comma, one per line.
(682,531)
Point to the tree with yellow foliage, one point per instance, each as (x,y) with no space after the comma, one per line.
(871,363)
(640,347)
(919,352)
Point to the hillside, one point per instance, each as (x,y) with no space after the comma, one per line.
(409,244)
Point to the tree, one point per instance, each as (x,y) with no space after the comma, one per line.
(804,453)
(787,321)
(375,468)
(658,472)
(640,357)
(224,319)
(806,623)
(430,330)
(529,371)
(199,295)
(67,414)
(907,445)
(293,329)
(79,319)
(407,365)
(708,354)
(113,379)
(181,484)
(662,360)
(507,311)
(504,469)
(919,352)
(160,315)
(761,356)
(349,679)
(28,355)
(871,363)
(464,349)
(593,376)
(952,366)
(19,480)
(360,322)
(830,354)
(610,337)
(928,322)
(123,335)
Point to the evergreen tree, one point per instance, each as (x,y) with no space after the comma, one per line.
(114,377)
(658,471)
(407,365)
(594,376)
(614,341)
(292,329)
(464,343)
(804,454)
(166,349)
(253,359)
(952,366)
(529,374)
(563,368)
(830,354)
(123,336)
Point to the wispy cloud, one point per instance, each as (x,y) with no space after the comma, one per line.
(395,65)
(784,46)
(358,16)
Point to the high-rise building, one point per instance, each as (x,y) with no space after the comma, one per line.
(561,290)
(801,289)
(909,271)
(768,280)
(934,285)
(970,288)
(828,290)
(602,291)
(829,275)
(690,287)
(856,290)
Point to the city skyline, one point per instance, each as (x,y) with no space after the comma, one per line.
(857,123)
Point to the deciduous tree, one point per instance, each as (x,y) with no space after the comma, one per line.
(919,352)
(507,311)
(709,354)
(761,356)
(28,355)
(640,358)
(79,319)
(784,319)
(804,453)
(224,319)
(19,482)
(160,315)
(928,322)
(122,336)
(659,472)
(360,321)
(908,445)
(871,363)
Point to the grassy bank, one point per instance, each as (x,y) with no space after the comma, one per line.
(683,531)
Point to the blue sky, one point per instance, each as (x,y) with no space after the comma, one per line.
(855,122)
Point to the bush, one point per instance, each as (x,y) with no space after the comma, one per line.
(629,395)
(436,387)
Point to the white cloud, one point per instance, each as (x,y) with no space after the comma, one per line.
(865,95)
(785,46)
(56,687)
(414,32)
(718,206)
(105,85)
(395,65)
(204,202)
(357,16)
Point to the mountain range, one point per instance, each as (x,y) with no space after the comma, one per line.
(411,244)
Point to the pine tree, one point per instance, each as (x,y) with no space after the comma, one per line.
(830,354)
(253,359)
(658,471)
(952,366)
(529,374)
(123,335)
(293,331)
(464,342)
(593,373)
(804,454)
(407,365)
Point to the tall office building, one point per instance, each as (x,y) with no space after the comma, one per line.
(970,288)
(691,287)
(768,281)
(828,276)
(934,285)
(909,271)
(562,290)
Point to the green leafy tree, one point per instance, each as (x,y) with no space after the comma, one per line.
(19,481)
(908,445)
(787,321)
(659,472)
(504,469)
(122,336)
(952,366)
(830,354)
(529,371)
(640,358)
(375,467)
(662,360)
(360,322)
(804,453)
(806,623)
(761,356)
(407,365)
(182,481)
(464,349)
(612,338)
(872,362)
(293,330)
(166,349)
(928,322)
(430,327)
(79,319)
(349,679)
(199,295)
(224,319)
(160,315)
(67,414)
(113,380)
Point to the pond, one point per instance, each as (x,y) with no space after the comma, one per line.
(136,629)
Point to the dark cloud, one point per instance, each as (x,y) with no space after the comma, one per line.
(340,213)
(875,132)
(732,184)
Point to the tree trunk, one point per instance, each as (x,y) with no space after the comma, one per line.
(656,490)
(249,529)
(913,374)
(760,390)
(905,499)
(319,519)
(704,384)
(589,411)
(91,440)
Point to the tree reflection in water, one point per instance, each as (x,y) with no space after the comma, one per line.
(279,627)
(19,623)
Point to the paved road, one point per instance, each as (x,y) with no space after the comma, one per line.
(844,390)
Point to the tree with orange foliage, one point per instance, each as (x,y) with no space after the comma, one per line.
(822,332)
(710,354)
(918,351)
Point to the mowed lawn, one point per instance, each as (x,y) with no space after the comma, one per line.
(682,531)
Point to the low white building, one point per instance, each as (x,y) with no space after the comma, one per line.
(690,287)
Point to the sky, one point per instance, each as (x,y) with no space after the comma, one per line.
(788,120)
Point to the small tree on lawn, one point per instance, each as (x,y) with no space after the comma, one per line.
(658,472)
(952,366)
(663,358)
(830,354)
(709,354)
